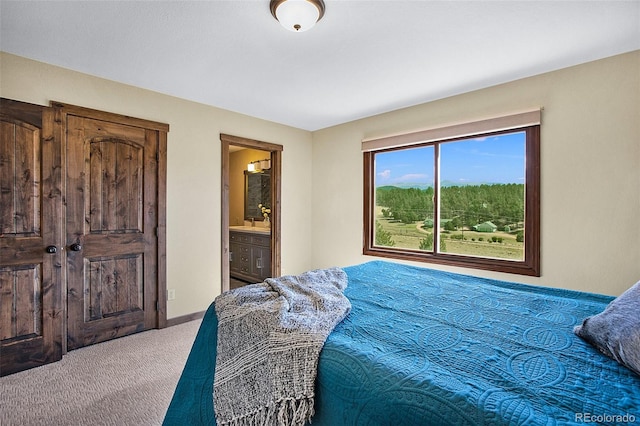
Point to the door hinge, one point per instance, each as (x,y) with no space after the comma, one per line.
(157,305)
(157,155)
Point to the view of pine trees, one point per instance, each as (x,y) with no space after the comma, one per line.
(477,220)
(463,206)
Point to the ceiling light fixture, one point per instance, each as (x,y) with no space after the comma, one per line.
(297,15)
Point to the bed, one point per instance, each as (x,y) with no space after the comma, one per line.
(429,347)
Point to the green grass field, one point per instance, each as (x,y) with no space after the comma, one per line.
(409,235)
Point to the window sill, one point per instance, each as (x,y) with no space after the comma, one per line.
(496,265)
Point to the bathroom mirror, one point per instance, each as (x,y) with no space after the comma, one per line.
(257,190)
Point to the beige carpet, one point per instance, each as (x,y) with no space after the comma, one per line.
(127,381)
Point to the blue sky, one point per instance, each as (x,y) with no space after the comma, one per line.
(494,159)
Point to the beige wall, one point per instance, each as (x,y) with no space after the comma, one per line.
(590,148)
(193,169)
(590,171)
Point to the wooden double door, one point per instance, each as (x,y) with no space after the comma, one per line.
(82,211)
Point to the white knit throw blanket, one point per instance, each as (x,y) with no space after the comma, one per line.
(269,339)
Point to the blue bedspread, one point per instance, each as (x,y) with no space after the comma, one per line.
(427,347)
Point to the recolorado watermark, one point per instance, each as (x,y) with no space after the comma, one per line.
(605,418)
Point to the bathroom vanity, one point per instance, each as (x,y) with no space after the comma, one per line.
(250,253)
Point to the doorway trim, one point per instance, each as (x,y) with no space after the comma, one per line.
(276,193)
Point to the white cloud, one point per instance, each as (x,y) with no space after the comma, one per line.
(386,174)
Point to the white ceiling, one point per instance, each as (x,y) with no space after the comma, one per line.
(361,59)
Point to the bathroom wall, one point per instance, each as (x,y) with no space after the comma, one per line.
(238,161)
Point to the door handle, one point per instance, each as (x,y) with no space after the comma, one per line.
(75,247)
(51,249)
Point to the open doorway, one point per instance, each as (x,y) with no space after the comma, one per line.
(250,240)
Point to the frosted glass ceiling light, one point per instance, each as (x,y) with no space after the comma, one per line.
(297,15)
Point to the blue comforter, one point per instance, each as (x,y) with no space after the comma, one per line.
(427,347)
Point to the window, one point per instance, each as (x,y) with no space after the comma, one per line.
(464,195)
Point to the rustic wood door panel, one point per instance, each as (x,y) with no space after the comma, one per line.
(115,201)
(112,222)
(20,289)
(115,287)
(31,309)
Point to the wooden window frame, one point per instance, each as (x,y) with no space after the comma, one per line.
(531,263)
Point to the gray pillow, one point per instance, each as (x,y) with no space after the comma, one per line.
(616,331)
